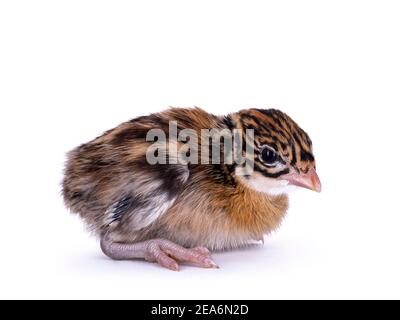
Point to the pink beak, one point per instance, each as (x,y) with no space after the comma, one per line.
(307,180)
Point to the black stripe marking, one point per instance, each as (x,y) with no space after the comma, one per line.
(121,207)
(294,157)
(306,156)
(268,128)
(271,174)
(228,122)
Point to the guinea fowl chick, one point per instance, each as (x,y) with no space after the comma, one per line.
(178,209)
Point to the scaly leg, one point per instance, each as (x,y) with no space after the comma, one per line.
(164,252)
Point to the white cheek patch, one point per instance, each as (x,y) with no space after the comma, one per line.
(282,190)
(267,185)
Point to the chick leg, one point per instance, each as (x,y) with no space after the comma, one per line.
(166,253)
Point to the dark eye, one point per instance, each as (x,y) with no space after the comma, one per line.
(269,156)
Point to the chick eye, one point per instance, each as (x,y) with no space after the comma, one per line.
(269,156)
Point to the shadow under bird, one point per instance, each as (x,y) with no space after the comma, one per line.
(179,212)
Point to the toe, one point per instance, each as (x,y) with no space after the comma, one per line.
(209,263)
(192,256)
(168,263)
(155,254)
(202,250)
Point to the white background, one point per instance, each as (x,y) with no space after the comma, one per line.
(70,70)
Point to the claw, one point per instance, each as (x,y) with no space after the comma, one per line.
(211,263)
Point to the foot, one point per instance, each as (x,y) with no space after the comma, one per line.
(166,253)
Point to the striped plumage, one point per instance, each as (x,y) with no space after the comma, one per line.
(275,129)
(127,201)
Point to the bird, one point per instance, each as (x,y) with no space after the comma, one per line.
(180,212)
